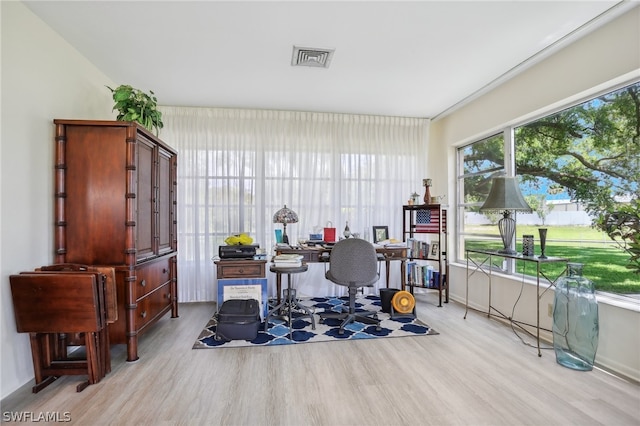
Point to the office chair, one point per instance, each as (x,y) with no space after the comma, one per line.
(353,263)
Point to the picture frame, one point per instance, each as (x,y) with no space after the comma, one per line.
(435,249)
(380,233)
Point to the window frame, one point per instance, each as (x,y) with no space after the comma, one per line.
(508,132)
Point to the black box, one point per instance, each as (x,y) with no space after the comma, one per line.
(238,319)
(237,252)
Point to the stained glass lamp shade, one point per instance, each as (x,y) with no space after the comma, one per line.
(285,215)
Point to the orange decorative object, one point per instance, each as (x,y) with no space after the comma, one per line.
(403,302)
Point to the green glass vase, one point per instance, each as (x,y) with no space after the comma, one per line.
(575,320)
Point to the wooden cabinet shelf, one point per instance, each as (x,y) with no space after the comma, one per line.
(116,206)
(424,229)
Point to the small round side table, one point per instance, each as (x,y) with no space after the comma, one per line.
(290,302)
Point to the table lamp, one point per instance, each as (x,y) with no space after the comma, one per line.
(504,197)
(284,216)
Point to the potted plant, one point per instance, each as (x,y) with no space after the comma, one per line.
(135,105)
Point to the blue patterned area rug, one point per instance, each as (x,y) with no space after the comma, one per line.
(278,331)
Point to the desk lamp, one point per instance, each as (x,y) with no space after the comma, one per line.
(504,197)
(284,216)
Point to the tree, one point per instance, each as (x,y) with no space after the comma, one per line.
(539,205)
(591,150)
(623,227)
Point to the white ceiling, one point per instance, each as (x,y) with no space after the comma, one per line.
(415,59)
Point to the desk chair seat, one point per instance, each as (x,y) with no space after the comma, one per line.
(353,263)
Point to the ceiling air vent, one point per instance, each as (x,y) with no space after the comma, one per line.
(311,57)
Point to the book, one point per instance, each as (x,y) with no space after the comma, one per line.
(287,260)
(287,264)
(284,258)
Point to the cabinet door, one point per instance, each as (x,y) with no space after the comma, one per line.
(91,214)
(164,202)
(145,198)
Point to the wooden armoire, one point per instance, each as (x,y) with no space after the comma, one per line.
(115,205)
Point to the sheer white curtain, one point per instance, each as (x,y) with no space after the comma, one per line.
(237,167)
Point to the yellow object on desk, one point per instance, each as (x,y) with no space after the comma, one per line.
(239,240)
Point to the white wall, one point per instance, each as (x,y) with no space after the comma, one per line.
(42,78)
(609,55)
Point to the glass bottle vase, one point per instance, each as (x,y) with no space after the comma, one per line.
(347,231)
(575,320)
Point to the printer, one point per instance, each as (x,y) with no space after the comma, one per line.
(238,252)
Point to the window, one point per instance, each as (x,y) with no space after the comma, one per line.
(238,167)
(575,166)
(479,162)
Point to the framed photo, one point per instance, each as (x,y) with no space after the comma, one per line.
(380,233)
(435,249)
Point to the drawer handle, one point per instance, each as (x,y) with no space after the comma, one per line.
(143,314)
(165,270)
(143,283)
(242,271)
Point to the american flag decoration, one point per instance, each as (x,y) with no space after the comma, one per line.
(428,220)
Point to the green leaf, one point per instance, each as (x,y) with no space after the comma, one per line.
(135,105)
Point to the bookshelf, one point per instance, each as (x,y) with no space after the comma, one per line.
(424,229)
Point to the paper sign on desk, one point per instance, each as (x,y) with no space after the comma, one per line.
(243,289)
(243,292)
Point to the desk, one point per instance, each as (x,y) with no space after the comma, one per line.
(321,254)
(484,266)
(242,279)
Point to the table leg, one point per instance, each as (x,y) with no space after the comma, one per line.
(490,279)
(279,302)
(290,307)
(466,297)
(538,307)
(271,312)
(387,267)
(278,288)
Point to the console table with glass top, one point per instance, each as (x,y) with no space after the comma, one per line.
(484,266)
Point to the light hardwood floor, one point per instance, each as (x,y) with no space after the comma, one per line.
(475,372)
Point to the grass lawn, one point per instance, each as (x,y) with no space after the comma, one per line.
(604,263)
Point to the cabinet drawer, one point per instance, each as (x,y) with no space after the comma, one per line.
(152,305)
(241,269)
(308,255)
(311,256)
(151,276)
